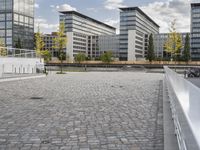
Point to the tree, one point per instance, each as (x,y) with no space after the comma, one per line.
(39,43)
(46,55)
(186,52)
(150,52)
(173,45)
(106,57)
(80,57)
(60,43)
(3,51)
(178,54)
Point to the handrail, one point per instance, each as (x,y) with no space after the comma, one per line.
(185,106)
(16,52)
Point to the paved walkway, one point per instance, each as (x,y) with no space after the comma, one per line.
(82,111)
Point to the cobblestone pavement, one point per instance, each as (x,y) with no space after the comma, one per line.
(82,111)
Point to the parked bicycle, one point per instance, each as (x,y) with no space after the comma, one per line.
(192,73)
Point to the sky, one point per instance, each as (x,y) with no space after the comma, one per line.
(161,11)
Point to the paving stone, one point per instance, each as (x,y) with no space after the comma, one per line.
(83,111)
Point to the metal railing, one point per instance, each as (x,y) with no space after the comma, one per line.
(185,106)
(15,52)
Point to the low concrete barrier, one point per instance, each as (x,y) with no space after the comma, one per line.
(185,106)
(19,65)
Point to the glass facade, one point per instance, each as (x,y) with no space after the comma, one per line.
(159,41)
(109,42)
(133,19)
(195,31)
(17,22)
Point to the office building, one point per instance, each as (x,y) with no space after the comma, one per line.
(83,34)
(135,28)
(159,41)
(17,22)
(109,43)
(195,31)
(49,44)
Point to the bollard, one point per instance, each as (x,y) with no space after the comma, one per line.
(1,71)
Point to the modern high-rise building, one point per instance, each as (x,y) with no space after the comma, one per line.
(17,22)
(83,34)
(135,28)
(195,31)
(159,41)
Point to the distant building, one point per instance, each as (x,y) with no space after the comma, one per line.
(109,43)
(135,28)
(159,41)
(17,22)
(49,44)
(83,34)
(195,31)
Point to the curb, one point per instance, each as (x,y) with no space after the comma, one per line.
(21,78)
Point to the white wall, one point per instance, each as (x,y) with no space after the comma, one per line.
(19,65)
(131,45)
(69,50)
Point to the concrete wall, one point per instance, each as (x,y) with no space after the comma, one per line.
(131,45)
(69,51)
(19,65)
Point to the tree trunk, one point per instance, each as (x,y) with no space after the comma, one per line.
(61,67)
(175,57)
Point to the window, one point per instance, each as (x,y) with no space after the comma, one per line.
(9,24)
(8,4)
(26,20)
(21,18)
(2,17)
(2,33)
(9,33)
(9,16)
(30,21)
(2,25)
(9,41)
(16,17)
(2,5)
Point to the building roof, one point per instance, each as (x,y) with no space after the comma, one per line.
(195,4)
(88,18)
(182,33)
(51,34)
(140,11)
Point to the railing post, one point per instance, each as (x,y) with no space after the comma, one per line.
(1,70)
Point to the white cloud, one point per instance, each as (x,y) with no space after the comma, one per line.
(65,7)
(113,23)
(113,4)
(37,5)
(163,13)
(44,25)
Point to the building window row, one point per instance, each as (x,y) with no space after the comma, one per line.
(196,10)
(195,35)
(195,15)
